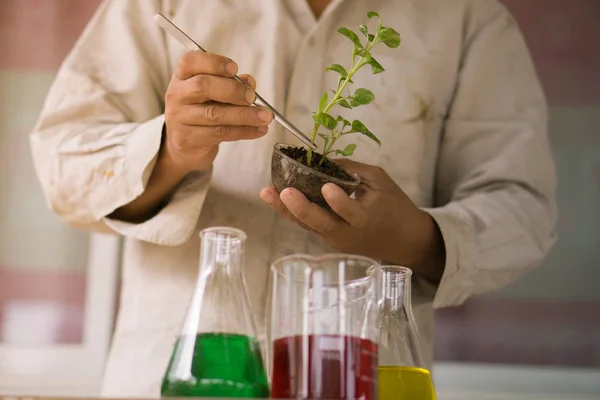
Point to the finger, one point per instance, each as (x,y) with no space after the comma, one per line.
(202,88)
(308,213)
(249,80)
(270,196)
(361,191)
(195,63)
(349,210)
(213,135)
(215,114)
(366,172)
(197,137)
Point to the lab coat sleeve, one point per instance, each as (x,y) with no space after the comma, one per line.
(496,179)
(97,139)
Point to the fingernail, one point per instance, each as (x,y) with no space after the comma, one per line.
(286,196)
(231,68)
(267,196)
(263,129)
(328,190)
(265,115)
(250,96)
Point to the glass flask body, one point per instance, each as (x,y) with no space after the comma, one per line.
(324,328)
(217,353)
(402,371)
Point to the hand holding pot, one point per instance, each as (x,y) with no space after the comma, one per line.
(204,107)
(382,222)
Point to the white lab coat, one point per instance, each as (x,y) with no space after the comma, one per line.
(459,111)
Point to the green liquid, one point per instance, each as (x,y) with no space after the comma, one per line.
(222,365)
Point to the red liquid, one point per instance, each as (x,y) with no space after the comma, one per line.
(324,367)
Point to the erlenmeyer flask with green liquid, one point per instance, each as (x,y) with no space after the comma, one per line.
(402,374)
(217,353)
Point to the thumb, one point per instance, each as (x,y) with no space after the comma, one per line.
(366,172)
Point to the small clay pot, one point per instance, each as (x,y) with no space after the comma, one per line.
(287,172)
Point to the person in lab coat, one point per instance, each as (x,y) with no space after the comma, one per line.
(142,138)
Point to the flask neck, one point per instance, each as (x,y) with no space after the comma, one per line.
(219,301)
(399,337)
(221,249)
(396,285)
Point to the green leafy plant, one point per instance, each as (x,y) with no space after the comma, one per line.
(338,126)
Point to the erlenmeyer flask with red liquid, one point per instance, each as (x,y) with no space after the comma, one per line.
(402,372)
(217,353)
(325,327)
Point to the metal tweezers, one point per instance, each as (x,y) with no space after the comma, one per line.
(191,45)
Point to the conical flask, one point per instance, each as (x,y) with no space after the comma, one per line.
(402,371)
(217,353)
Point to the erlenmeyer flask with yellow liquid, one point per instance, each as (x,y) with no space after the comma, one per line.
(401,372)
(217,353)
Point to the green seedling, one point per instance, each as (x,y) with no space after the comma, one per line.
(338,126)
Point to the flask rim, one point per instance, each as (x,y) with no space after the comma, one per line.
(217,231)
(373,266)
(397,269)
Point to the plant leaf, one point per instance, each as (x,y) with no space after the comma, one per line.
(372,14)
(326,120)
(375,66)
(389,37)
(371,37)
(348,151)
(344,104)
(358,126)
(325,138)
(363,96)
(361,52)
(323,102)
(339,69)
(352,36)
(364,30)
(344,121)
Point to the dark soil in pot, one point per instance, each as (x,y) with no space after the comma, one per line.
(289,169)
(327,167)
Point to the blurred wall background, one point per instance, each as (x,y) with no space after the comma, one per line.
(549,318)
(552,316)
(43,263)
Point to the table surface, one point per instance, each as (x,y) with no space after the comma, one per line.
(441,396)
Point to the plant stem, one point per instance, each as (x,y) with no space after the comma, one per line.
(327,150)
(329,144)
(312,139)
(336,98)
(338,94)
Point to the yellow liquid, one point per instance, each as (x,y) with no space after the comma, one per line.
(405,383)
